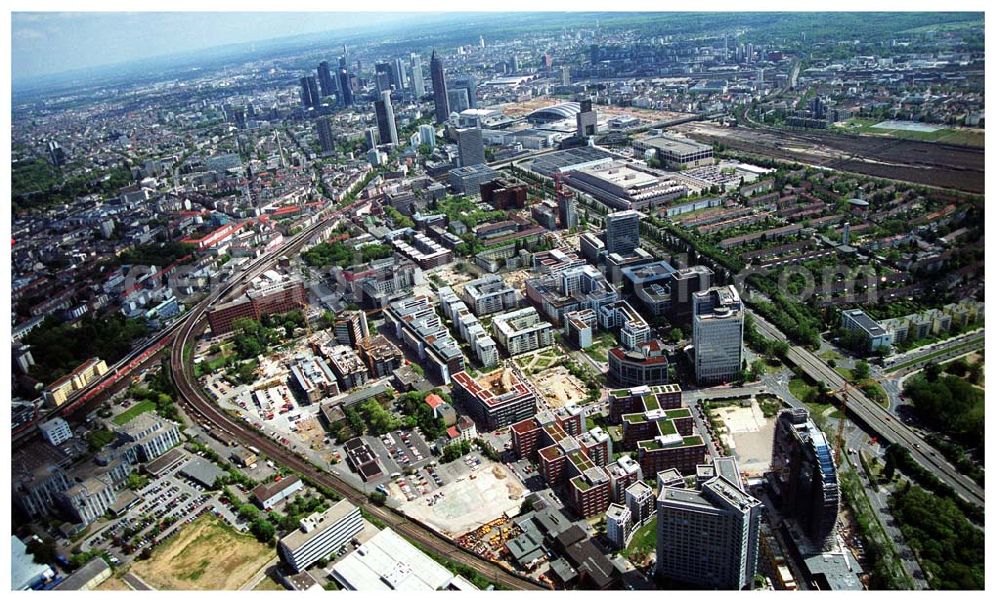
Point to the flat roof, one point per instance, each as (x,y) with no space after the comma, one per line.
(388,562)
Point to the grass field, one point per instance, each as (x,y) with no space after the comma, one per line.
(968,137)
(206,555)
(643,543)
(132,412)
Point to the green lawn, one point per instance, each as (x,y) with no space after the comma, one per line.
(799,388)
(828,355)
(643,542)
(132,412)
(951,136)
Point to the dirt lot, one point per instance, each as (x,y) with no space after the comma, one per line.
(750,435)
(560,387)
(940,165)
(311,432)
(207,555)
(471,503)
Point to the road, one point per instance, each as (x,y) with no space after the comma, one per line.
(880,503)
(203,411)
(957,346)
(135,582)
(875,417)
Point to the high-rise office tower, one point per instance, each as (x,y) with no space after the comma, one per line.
(346,93)
(325,134)
(470,147)
(709,536)
(803,477)
(586,120)
(567,211)
(565,76)
(482,42)
(717,333)
(441,107)
(458,99)
(386,120)
(383,76)
(470,86)
(683,284)
(309,92)
(240,117)
(326,86)
(56,153)
(515,64)
(621,232)
(417,75)
(427,135)
(371,137)
(398,74)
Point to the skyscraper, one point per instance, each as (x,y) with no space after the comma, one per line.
(469,84)
(567,210)
(417,75)
(325,134)
(470,147)
(326,85)
(515,64)
(586,120)
(427,135)
(386,120)
(371,137)
(803,477)
(346,94)
(383,76)
(310,92)
(565,76)
(709,536)
(621,232)
(398,74)
(441,107)
(717,333)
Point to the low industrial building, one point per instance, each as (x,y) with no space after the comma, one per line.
(388,562)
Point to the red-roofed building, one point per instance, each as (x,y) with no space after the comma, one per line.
(434,400)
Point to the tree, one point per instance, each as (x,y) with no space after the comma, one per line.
(861,371)
(831,363)
(932,371)
(262,529)
(676,335)
(377,498)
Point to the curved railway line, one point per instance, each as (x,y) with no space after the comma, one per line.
(196,404)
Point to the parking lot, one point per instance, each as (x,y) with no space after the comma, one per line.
(403,450)
(165,505)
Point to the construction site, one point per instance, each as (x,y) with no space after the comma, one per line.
(470,502)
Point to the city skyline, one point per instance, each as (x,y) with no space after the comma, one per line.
(474,301)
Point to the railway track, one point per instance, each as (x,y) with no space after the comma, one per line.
(879,420)
(200,408)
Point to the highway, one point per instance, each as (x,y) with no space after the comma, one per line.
(877,418)
(203,411)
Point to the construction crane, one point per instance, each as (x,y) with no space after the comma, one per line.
(839,446)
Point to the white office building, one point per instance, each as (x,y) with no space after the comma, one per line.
(56,430)
(321,534)
(717,329)
(522,331)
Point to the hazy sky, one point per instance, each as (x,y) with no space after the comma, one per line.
(49,43)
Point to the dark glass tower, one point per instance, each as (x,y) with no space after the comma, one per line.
(441,109)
